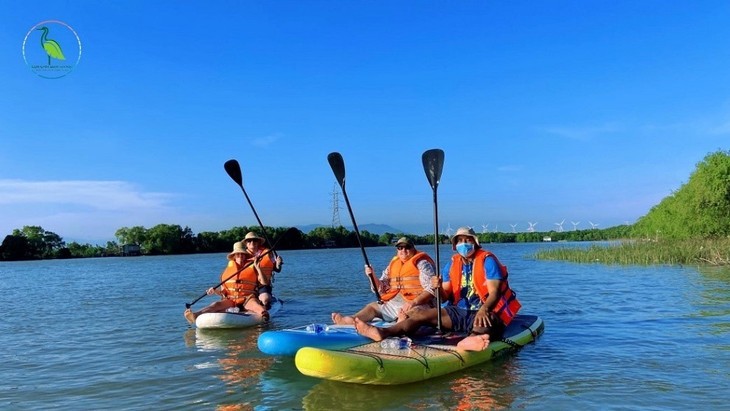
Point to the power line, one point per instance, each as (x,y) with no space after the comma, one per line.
(335,207)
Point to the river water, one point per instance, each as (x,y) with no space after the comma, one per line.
(108,334)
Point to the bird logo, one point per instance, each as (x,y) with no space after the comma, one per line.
(51,47)
(60,50)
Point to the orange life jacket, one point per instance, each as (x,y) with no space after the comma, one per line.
(507,305)
(405,277)
(266,264)
(241,285)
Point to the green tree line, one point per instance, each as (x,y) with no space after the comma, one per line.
(699,209)
(33,242)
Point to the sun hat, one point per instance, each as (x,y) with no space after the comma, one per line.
(238,248)
(465,231)
(252,236)
(404,241)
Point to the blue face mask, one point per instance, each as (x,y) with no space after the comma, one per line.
(464,249)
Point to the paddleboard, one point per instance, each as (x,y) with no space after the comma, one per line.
(333,337)
(372,363)
(235,320)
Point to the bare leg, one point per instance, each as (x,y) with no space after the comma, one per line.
(338,318)
(370,331)
(405,327)
(367,313)
(478,342)
(255,306)
(216,307)
(189,316)
(265,299)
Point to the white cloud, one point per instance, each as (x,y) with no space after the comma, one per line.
(266,140)
(100,195)
(78,209)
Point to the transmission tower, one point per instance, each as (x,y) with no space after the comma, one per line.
(335,207)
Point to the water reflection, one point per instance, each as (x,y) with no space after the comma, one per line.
(484,387)
(239,362)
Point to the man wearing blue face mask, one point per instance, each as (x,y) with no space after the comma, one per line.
(475,283)
(481,303)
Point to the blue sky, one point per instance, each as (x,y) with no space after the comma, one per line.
(546,111)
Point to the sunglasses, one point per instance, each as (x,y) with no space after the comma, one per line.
(403,247)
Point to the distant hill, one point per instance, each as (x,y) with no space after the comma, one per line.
(371,228)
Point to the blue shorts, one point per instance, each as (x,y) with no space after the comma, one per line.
(462,321)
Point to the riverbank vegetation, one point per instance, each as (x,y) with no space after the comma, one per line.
(690,226)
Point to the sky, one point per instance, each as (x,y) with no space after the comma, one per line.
(551,111)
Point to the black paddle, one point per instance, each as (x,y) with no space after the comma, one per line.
(433,164)
(338,167)
(234,171)
(284,234)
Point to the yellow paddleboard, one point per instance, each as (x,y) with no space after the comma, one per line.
(372,364)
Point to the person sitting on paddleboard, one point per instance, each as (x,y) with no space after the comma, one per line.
(405,285)
(255,247)
(241,279)
(481,302)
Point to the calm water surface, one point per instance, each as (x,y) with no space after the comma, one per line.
(97,334)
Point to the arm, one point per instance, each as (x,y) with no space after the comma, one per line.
(260,278)
(493,277)
(383,283)
(278,263)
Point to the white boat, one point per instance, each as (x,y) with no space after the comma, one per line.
(235,320)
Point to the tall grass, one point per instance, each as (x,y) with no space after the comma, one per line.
(683,252)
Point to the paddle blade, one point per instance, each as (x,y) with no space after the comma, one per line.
(234,171)
(338,167)
(433,164)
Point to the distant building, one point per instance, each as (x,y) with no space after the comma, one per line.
(130,250)
(547,239)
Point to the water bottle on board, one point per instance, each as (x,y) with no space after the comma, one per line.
(316,328)
(396,343)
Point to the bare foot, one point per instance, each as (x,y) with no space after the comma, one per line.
(189,316)
(474,343)
(340,319)
(368,330)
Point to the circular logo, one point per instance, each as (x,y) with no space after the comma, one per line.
(52,49)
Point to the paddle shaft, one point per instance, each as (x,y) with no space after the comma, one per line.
(234,171)
(338,168)
(433,163)
(223,282)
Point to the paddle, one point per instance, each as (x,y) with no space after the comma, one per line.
(270,250)
(433,164)
(234,171)
(338,167)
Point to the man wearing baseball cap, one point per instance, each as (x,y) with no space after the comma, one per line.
(481,302)
(404,286)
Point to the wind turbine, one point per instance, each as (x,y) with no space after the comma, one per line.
(531,228)
(593,226)
(514,227)
(485,228)
(575,225)
(449,230)
(560,226)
